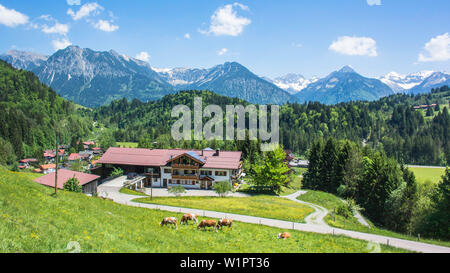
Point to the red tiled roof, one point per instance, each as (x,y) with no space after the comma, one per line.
(74,157)
(63,176)
(49,166)
(89,143)
(28,160)
(151,158)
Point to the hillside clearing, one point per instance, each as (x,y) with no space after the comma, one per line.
(424,174)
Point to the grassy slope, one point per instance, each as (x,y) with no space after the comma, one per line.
(31,220)
(330,202)
(428,174)
(259,205)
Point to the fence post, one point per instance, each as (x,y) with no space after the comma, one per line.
(293,225)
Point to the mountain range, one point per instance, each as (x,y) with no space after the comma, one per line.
(92,78)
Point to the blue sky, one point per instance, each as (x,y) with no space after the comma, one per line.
(271,38)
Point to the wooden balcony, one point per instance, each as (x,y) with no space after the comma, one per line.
(185,176)
(184,166)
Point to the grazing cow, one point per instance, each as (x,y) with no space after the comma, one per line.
(169,220)
(284,235)
(189,217)
(208,223)
(225,222)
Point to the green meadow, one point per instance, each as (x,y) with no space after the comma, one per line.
(34,221)
(259,205)
(424,174)
(127,144)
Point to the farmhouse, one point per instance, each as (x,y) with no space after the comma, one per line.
(25,163)
(166,168)
(88,182)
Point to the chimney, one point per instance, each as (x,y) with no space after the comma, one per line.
(217,152)
(201,153)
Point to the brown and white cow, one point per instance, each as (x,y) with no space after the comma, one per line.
(208,223)
(189,217)
(284,235)
(225,222)
(169,220)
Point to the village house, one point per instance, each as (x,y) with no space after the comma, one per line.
(26,163)
(168,168)
(88,182)
(49,155)
(88,144)
(49,168)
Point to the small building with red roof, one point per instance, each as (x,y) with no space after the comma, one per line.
(48,168)
(89,182)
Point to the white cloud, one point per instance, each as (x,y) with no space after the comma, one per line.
(187,36)
(12,18)
(437,49)
(61,43)
(355,46)
(374,2)
(143,56)
(73,2)
(222,51)
(58,28)
(84,11)
(106,26)
(225,21)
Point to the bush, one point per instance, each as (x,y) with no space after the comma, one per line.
(177,190)
(117,172)
(343,210)
(73,185)
(222,188)
(15,167)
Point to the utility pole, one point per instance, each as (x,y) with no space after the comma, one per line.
(151,184)
(57,157)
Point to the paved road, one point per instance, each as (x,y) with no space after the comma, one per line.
(315,218)
(312,226)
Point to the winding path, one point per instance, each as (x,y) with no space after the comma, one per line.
(314,222)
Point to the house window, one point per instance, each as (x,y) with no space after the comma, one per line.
(193,182)
(178,182)
(167,171)
(220,173)
(170,181)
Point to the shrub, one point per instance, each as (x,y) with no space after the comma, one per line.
(177,190)
(73,185)
(117,172)
(343,210)
(222,188)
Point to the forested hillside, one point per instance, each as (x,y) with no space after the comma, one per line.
(409,135)
(29,111)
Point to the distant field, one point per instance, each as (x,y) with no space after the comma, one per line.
(33,221)
(432,174)
(127,144)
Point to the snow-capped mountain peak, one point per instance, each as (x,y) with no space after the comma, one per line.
(293,83)
(401,83)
